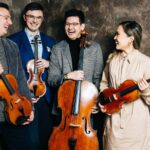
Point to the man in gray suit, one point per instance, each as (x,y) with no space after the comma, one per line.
(13,137)
(65,56)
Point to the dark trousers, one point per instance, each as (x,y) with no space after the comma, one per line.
(19,137)
(44,123)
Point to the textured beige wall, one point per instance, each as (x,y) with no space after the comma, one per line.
(102,18)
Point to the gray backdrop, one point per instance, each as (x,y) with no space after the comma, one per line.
(102,17)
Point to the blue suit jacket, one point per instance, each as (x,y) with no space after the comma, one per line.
(21,39)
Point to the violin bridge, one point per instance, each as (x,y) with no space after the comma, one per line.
(17,101)
(74,125)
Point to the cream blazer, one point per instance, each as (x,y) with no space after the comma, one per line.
(129,129)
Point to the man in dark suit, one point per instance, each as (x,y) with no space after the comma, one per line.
(33,16)
(65,56)
(13,137)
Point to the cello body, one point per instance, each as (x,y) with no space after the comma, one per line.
(17,107)
(75,132)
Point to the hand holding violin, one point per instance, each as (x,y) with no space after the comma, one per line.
(111,99)
(30,119)
(1,68)
(42,63)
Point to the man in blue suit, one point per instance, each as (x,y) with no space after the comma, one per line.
(33,16)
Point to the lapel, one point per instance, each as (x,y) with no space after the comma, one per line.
(44,47)
(67,54)
(27,45)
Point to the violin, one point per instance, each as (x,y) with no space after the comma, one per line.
(17,107)
(75,99)
(113,99)
(35,83)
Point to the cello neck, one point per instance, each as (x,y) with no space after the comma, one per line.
(77,92)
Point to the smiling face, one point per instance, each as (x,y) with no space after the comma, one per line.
(33,19)
(73,27)
(122,40)
(5,21)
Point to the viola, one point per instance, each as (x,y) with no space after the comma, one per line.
(17,107)
(35,83)
(113,99)
(75,99)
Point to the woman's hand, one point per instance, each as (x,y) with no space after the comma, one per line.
(95,109)
(103,109)
(143,84)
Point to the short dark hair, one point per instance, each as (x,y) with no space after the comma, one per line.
(76,13)
(132,28)
(33,6)
(4,5)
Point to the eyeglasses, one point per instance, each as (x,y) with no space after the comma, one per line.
(31,17)
(6,17)
(73,24)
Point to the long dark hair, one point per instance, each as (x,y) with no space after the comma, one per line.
(132,28)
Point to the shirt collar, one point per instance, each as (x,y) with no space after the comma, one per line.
(29,33)
(129,57)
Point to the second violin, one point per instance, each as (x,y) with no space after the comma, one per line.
(35,83)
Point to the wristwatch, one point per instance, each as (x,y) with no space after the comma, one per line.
(65,77)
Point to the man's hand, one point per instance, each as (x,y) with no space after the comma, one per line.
(35,100)
(30,119)
(76,75)
(42,63)
(95,109)
(1,68)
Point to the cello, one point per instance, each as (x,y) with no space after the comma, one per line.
(17,107)
(75,99)
(35,83)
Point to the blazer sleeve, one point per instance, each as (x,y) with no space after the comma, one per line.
(55,73)
(98,66)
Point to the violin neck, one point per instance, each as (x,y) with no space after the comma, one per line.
(130,89)
(7,84)
(35,53)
